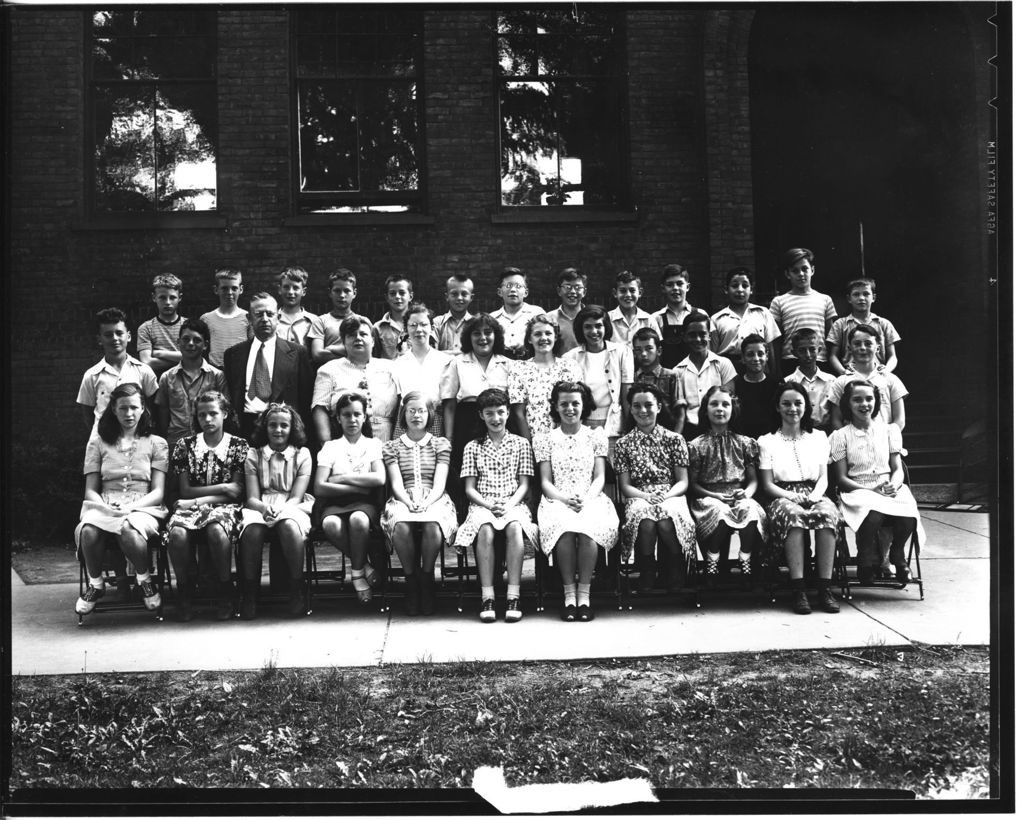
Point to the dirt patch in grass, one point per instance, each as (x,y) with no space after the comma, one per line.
(914,719)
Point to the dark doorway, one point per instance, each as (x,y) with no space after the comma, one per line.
(865,115)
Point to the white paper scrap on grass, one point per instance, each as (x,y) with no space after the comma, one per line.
(551,798)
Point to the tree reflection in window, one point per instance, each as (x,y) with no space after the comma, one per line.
(358,108)
(153,107)
(560,107)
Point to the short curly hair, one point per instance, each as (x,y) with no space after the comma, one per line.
(589,405)
(484,320)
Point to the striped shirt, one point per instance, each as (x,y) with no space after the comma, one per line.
(225,332)
(792,311)
(840,332)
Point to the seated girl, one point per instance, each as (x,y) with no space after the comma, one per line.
(497,468)
(794,473)
(349,471)
(210,467)
(652,464)
(868,470)
(277,472)
(723,480)
(125,467)
(417,469)
(575,515)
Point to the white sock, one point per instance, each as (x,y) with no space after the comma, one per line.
(583,595)
(569,590)
(141,579)
(487,593)
(96,582)
(513,591)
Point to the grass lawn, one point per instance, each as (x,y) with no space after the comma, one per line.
(913,719)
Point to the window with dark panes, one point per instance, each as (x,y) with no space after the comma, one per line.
(153,109)
(358,108)
(561,107)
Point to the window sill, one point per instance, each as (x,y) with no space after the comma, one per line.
(149,222)
(356,220)
(547,215)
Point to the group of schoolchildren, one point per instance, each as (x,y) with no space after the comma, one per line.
(500,427)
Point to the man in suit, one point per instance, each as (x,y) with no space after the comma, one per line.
(267,368)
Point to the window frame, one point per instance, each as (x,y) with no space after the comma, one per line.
(95,217)
(625,209)
(417,201)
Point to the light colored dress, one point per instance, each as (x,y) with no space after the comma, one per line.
(530,384)
(795,465)
(343,456)
(375,380)
(651,459)
(867,459)
(605,374)
(412,374)
(205,467)
(125,476)
(277,472)
(718,462)
(417,462)
(497,468)
(572,469)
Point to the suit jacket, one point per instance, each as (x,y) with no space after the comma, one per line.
(291,381)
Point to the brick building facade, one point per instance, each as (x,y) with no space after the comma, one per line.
(688,162)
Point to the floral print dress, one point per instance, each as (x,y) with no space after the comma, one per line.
(651,459)
(206,466)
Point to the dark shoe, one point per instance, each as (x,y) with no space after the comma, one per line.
(513,613)
(247,609)
(428,601)
(801,606)
(185,613)
(675,574)
(225,601)
(296,599)
(568,612)
(412,594)
(866,575)
(585,613)
(826,600)
(646,566)
(87,603)
(903,574)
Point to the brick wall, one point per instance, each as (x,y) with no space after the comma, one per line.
(64,269)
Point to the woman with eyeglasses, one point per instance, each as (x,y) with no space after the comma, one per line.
(360,372)
(421,367)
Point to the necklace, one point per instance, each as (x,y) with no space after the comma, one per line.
(796,455)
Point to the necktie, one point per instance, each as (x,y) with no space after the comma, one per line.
(259,385)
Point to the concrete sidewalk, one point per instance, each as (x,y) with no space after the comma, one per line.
(46,639)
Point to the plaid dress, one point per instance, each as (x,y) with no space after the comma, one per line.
(497,467)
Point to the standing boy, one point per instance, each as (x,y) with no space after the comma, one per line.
(755,389)
(514,312)
(648,370)
(675,284)
(229,324)
(741,318)
(325,342)
(390,330)
(293,321)
(157,339)
(116,367)
(802,306)
(448,328)
(572,287)
(701,369)
(860,293)
(180,386)
(806,347)
(628,318)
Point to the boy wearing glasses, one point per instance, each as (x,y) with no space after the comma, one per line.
(515,312)
(572,287)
